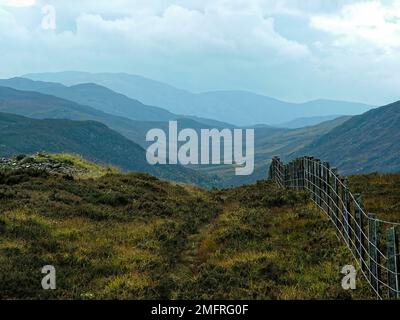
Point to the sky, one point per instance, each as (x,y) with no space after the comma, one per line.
(294,50)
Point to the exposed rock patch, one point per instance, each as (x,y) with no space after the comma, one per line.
(39,162)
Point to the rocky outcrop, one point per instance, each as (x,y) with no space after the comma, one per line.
(38,163)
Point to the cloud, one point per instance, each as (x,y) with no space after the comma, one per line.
(372,23)
(178,30)
(17,3)
(290,49)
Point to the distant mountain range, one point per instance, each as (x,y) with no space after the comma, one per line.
(237,107)
(365,143)
(102,99)
(93,140)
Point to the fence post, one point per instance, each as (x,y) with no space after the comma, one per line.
(316,180)
(303,168)
(374,261)
(284,178)
(309,185)
(335,187)
(326,186)
(321,185)
(346,209)
(359,227)
(392,262)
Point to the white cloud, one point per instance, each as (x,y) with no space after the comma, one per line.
(260,45)
(372,23)
(17,3)
(180,30)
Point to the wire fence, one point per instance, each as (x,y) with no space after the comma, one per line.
(373,242)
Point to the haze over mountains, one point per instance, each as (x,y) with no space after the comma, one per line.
(237,107)
(354,144)
(99,98)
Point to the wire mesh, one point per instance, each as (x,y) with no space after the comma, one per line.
(360,231)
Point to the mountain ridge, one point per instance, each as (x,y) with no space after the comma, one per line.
(363,144)
(224,105)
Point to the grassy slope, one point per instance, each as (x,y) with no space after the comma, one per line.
(357,145)
(133,236)
(380,194)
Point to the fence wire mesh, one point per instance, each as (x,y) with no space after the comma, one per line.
(372,241)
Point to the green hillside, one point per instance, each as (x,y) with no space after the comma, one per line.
(365,143)
(93,140)
(136,237)
(41,106)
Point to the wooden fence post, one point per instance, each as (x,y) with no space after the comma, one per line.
(304,172)
(335,191)
(313,179)
(309,177)
(326,186)
(392,262)
(320,183)
(359,227)
(374,259)
(316,179)
(346,210)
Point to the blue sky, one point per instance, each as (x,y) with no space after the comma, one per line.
(294,50)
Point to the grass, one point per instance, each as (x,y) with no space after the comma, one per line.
(132,236)
(380,194)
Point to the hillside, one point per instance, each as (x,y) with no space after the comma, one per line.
(365,143)
(270,142)
(93,140)
(95,96)
(136,237)
(42,106)
(307,122)
(236,107)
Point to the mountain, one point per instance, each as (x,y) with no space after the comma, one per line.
(270,142)
(237,107)
(92,140)
(365,143)
(41,106)
(307,122)
(95,96)
(105,100)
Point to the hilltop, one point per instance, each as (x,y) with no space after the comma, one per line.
(132,236)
